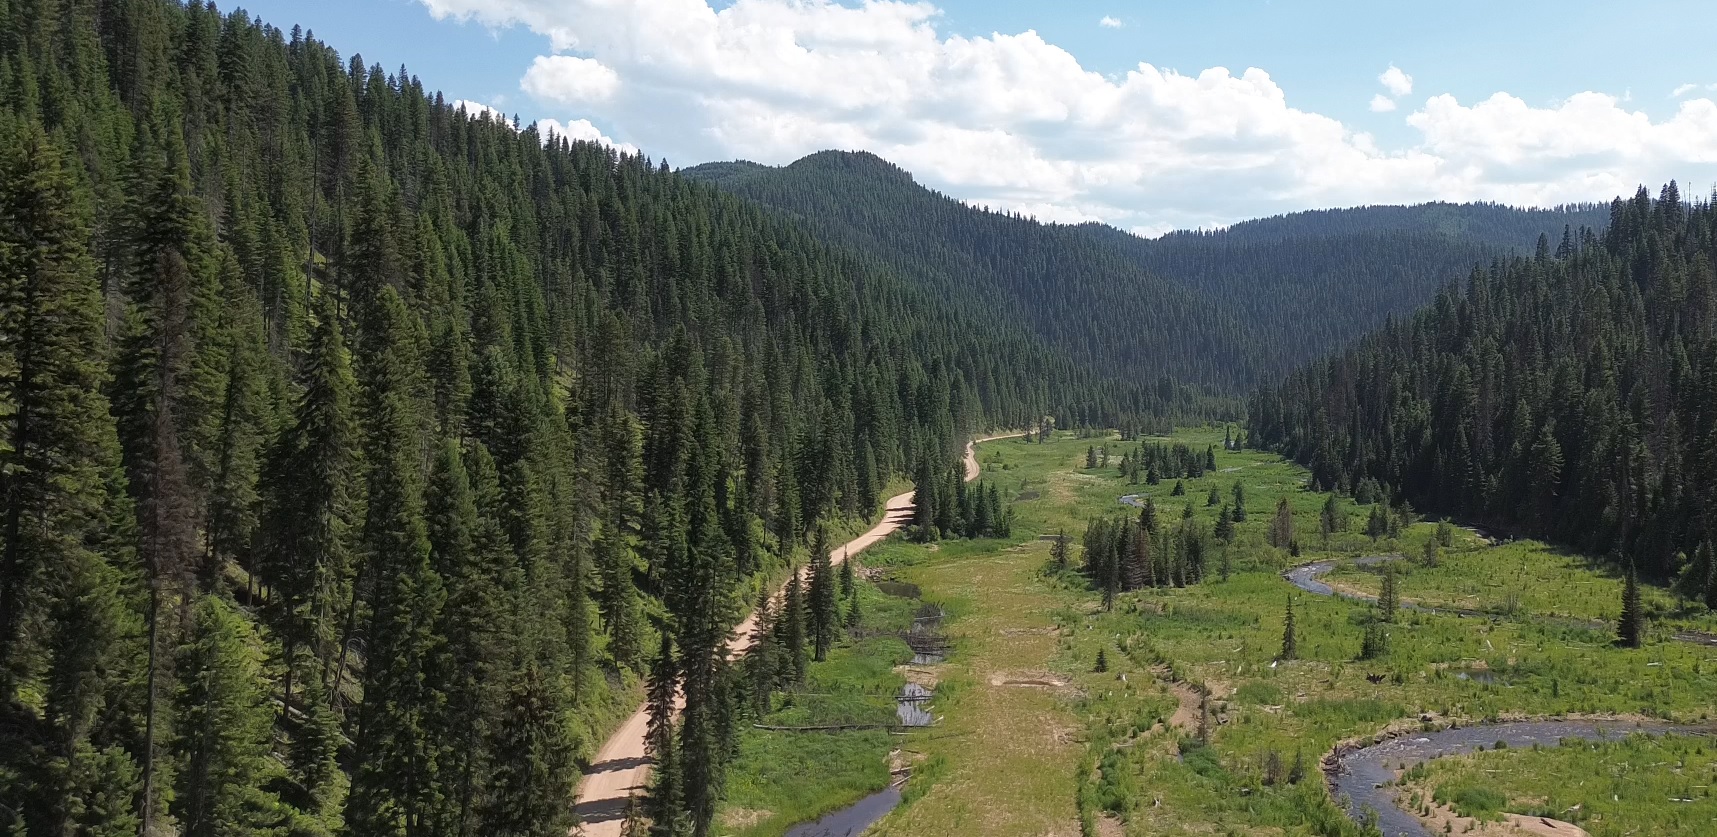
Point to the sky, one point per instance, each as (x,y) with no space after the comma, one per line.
(1149,115)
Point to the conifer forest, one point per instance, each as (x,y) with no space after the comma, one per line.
(372,466)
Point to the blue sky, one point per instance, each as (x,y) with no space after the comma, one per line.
(1041,108)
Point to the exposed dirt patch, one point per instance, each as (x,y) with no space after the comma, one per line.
(744,817)
(902,761)
(1048,631)
(1110,825)
(926,677)
(1443,820)
(1036,679)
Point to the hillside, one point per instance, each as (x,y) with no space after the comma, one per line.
(358,458)
(1570,395)
(1226,309)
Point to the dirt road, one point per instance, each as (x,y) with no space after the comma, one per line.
(621,769)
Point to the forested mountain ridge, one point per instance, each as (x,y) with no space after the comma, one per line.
(1571,395)
(354,451)
(1226,309)
(1113,317)
(1494,224)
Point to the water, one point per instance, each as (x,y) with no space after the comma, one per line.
(913,706)
(1363,772)
(851,820)
(899,588)
(1484,676)
(1306,578)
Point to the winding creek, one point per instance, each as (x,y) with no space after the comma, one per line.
(1360,779)
(911,706)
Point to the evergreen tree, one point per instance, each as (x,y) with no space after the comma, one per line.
(1378,524)
(1374,645)
(1630,629)
(472,623)
(63,528)
(762,658)
(1282,525)
(397,788)
(1214,499)
(531,782)
(791,624)
(1239,502)
(824,608)
(665,804)
(224,734)
(1330,520)
(303,540)
(1389,599)
(1290,638)
(924,499)
(1102,661)
(1059,550)
(848,581)
(621,446)
(855,615)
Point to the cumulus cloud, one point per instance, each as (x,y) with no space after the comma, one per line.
(581,130)
(478,110)
(1396,82)
(1017,123)
(1110,22)
(1682,90)
(1382,104)
(564,78)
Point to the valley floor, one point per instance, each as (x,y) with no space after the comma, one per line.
(1030,739)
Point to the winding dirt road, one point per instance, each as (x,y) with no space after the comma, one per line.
(621,768)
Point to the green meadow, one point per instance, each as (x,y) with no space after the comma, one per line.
(1195,726)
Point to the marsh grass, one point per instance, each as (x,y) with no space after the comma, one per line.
(1027,760)
(1642,784)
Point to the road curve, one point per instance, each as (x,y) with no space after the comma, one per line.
(621,767)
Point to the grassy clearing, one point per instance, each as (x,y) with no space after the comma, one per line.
(784,778)
(1639,785)
(1122,746)
(1003,756)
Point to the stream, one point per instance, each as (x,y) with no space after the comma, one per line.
(911,706)
(1360,780)
(853,819)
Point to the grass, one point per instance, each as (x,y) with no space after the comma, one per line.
(1004,753)
(1104,750)
(1639,785)
(784,778)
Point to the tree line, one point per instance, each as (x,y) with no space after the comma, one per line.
(1569,395)
(357,453)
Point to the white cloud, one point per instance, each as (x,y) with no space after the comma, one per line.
(1382,104)
(478,110)
(1014,122)
(563,78)
(1109,22)
(1396,82)
(580,130)
(1682,90)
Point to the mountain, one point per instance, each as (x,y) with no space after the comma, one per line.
(1569,395)
(1493,224)
(356,455)
(1224,309)
(1112,316)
